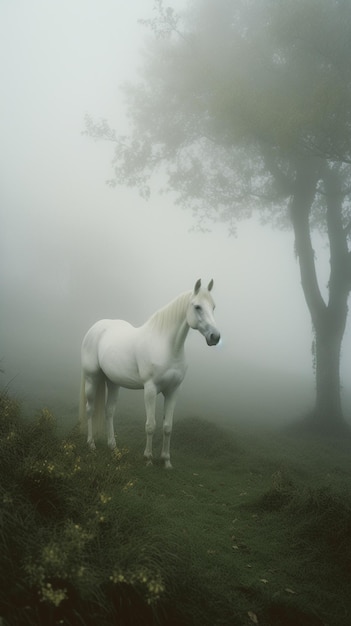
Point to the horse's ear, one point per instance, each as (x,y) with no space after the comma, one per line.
(210,285)
(197,286)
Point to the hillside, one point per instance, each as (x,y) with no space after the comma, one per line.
(249,528)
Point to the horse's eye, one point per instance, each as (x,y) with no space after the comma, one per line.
(198,307)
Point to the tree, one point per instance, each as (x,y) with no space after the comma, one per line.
(246,106)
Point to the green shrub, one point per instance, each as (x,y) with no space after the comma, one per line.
(63,529)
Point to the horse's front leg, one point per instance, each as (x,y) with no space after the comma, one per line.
(170,400)
(150,394)
(112,395)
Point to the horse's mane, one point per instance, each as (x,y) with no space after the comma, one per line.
(164,318)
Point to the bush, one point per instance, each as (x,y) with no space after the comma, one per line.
(64,528)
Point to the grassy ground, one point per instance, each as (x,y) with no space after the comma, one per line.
(250,528)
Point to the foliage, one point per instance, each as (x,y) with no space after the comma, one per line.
(231,97)
(247,529)
(66,538)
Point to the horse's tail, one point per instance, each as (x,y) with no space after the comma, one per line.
(99,412)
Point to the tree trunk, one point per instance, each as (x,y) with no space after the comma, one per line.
(328,319)
(328,414)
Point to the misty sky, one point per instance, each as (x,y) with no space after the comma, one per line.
(74,250)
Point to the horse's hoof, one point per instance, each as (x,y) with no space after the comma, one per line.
(166,460)
(149,463)
(92,445)
(112,444)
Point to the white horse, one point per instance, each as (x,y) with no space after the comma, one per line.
(151,357)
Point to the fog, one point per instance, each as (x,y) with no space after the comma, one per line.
(73,250)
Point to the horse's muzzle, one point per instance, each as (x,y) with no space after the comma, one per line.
(213,338)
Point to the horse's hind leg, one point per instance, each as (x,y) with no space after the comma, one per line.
(112,395)
(91,385)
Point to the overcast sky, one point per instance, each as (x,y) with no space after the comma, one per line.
(74,250)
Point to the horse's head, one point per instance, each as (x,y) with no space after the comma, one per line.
(200,313)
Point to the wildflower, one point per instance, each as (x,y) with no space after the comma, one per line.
(68,448)
(50,467)
(117,453)
(152,583)
(117,577)
(129,485)
(54,556)
(55,596)
(77,467)
(75,533)
(104,499)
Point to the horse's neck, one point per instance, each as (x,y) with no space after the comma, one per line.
(171,322)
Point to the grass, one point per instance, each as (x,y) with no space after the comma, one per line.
(250,528)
